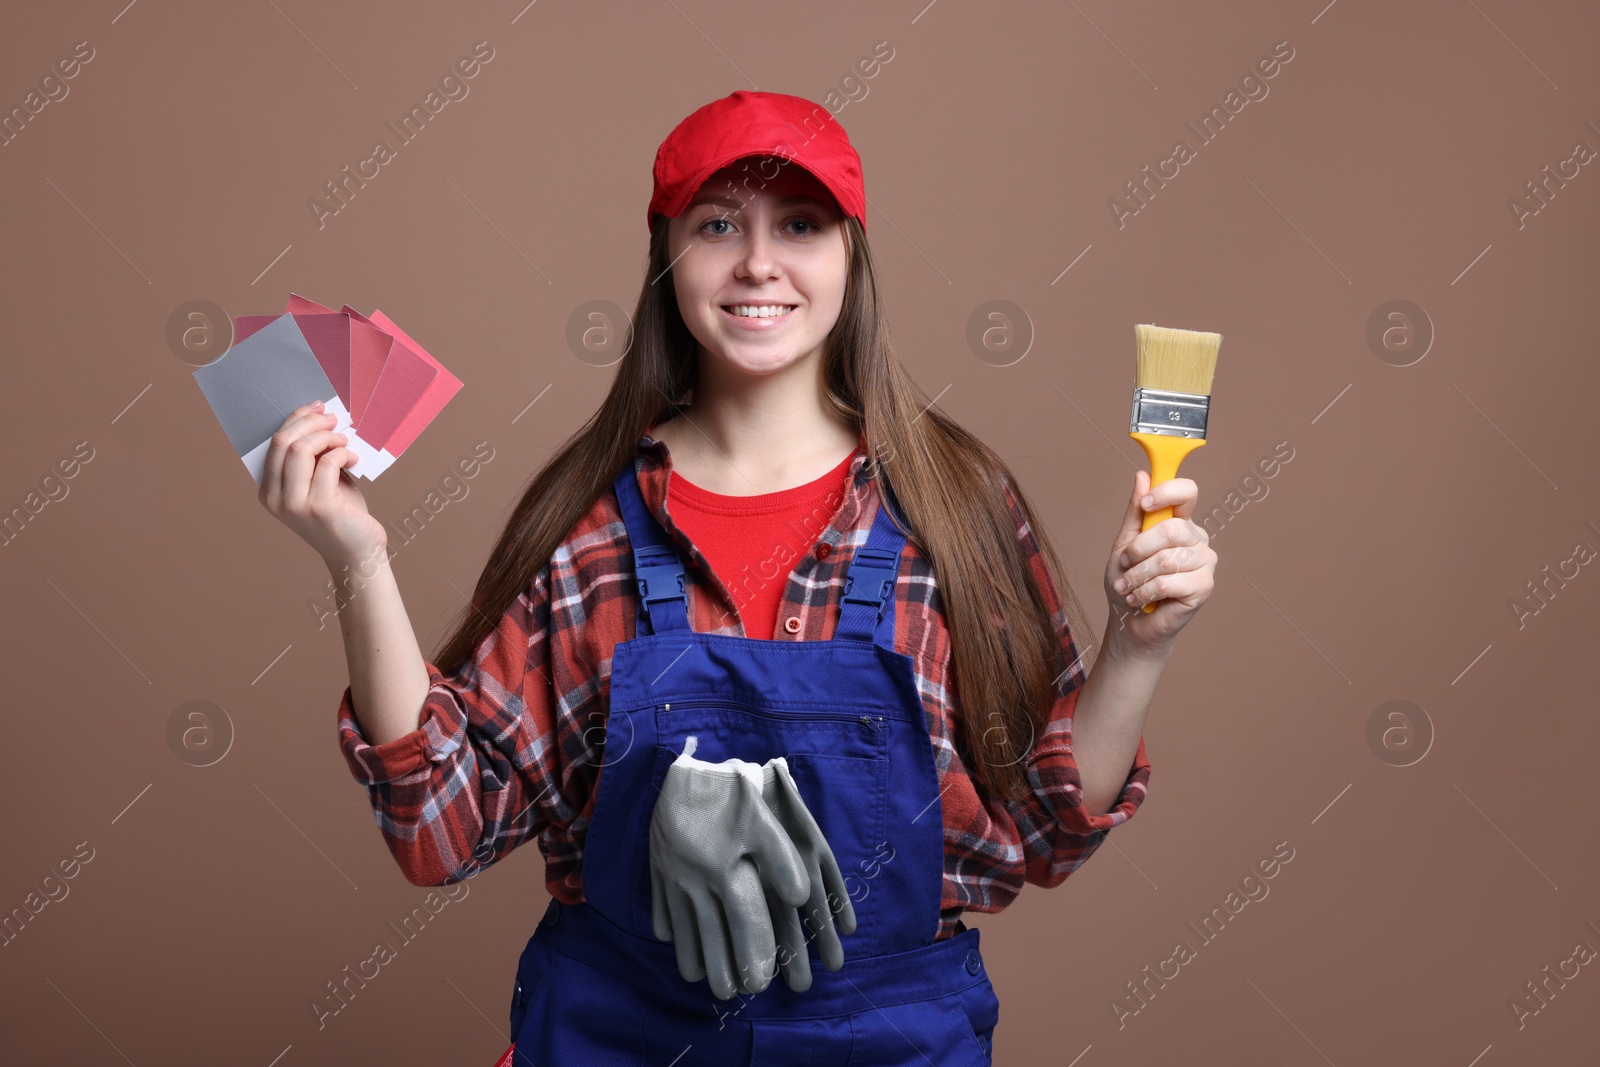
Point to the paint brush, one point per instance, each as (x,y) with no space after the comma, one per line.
(1171,398)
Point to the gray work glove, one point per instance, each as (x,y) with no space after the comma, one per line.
(829,902)
(717,857)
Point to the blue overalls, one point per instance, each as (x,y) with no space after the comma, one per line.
(594,985)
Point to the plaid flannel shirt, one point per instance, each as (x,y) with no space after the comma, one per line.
(509,747)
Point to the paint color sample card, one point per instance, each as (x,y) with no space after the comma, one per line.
(381,385)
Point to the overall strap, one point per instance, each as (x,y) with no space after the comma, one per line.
(663,602)
(866,608)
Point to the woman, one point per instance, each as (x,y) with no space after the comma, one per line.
(836,554)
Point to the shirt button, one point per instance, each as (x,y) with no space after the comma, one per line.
(792,624)
(973,961)
(824,551)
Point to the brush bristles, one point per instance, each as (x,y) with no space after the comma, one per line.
(1180,360)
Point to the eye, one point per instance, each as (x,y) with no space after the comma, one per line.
(712,221)
(814,227)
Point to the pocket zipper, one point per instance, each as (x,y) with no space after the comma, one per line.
(876,722)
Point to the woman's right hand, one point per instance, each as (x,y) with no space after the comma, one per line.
(302,486)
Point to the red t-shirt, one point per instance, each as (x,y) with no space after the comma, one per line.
(752,542)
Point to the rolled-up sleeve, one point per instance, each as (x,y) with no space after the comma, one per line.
(492,762)
(436,738)
(1057,832)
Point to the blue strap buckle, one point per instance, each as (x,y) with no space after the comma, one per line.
(872,592)
(666,579)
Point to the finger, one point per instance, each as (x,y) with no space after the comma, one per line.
(714,947)
(749,927)
(300,460)
(838,894)
(1144,547)
(660,915)
(686,935)
(820,904)
(1174,560)
(1174,493)
(303,420)
(1133,517)
(325,479)
(312,409)
(1182,588)
(774,853)
(793,960)
(819,916)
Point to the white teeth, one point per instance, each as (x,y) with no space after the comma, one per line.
(764,311)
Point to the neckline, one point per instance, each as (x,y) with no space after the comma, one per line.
(679,487)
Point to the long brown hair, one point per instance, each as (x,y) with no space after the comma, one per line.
(1007,652)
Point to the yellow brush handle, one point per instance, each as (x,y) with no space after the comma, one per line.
(1165,453)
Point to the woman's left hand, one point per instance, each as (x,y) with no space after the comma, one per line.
(1171,563)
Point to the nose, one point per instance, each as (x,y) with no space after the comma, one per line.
(758,258)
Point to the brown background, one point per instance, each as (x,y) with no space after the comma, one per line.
(1379,565)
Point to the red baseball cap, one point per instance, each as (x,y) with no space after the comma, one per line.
(744,123)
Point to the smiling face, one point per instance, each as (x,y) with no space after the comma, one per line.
(759,265)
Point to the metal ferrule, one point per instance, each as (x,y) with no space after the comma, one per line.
(1173,414)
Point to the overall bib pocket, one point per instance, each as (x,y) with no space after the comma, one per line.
(854,829)
(837,763)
